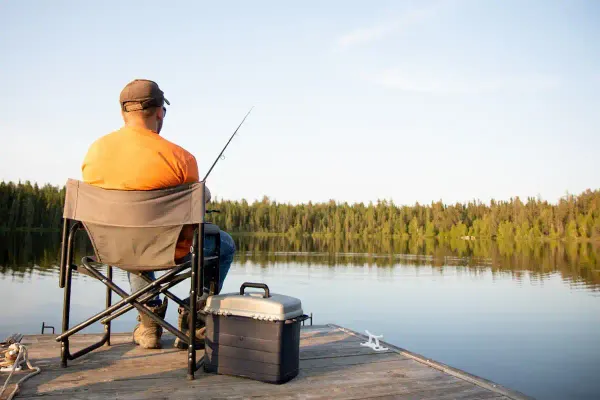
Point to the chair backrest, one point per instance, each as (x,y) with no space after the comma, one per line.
(135,230)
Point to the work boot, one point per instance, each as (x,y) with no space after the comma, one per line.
(147,333)
(184,323)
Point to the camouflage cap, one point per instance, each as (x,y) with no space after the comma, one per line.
(140,94)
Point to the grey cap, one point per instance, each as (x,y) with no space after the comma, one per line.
(140,94)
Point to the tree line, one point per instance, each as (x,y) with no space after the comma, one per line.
(25,206)
(572,217)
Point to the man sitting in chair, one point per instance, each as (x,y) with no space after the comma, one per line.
(136,157)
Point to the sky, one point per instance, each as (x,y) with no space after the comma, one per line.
(409,101)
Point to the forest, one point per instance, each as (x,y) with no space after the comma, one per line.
(28,207)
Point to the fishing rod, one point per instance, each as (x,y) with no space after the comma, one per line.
(222,151)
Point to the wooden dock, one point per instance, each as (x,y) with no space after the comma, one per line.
(332,365)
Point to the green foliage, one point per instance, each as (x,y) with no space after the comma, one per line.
(458,231)
(522,231)
(429,230)
(572,216)
(572,230)
(413,228)
(505,231)
(25,206)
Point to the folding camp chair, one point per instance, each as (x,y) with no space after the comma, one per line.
(137,231)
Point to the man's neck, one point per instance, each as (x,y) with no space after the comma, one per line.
(142,124)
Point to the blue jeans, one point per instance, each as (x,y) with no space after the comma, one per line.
(225,259)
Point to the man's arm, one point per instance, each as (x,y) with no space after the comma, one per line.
(191,174)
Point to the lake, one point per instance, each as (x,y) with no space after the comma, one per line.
(525,315)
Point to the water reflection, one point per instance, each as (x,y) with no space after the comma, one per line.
(577,262)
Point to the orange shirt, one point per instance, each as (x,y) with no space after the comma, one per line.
(134,158)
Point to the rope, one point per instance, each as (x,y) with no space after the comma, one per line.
(23,354)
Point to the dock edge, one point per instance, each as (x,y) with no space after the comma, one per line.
(474,379)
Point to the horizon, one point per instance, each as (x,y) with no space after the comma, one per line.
(355,102)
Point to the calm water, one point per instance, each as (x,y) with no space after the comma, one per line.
(524,315)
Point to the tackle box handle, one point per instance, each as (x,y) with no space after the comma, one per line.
(301,318)
(256,286)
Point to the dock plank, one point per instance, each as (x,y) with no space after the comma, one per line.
(332,365)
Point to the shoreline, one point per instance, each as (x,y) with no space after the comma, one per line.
(328,236)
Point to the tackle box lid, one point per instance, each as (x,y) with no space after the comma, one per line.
(265,306)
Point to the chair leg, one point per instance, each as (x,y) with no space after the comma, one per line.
(197,246)
(66,275)
(67,266)
(217,280)
(109,275)
(64,344)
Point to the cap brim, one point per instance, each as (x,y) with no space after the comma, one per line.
(166,101)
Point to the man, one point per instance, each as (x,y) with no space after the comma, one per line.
(136,157)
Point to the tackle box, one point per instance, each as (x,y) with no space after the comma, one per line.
(253,334)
